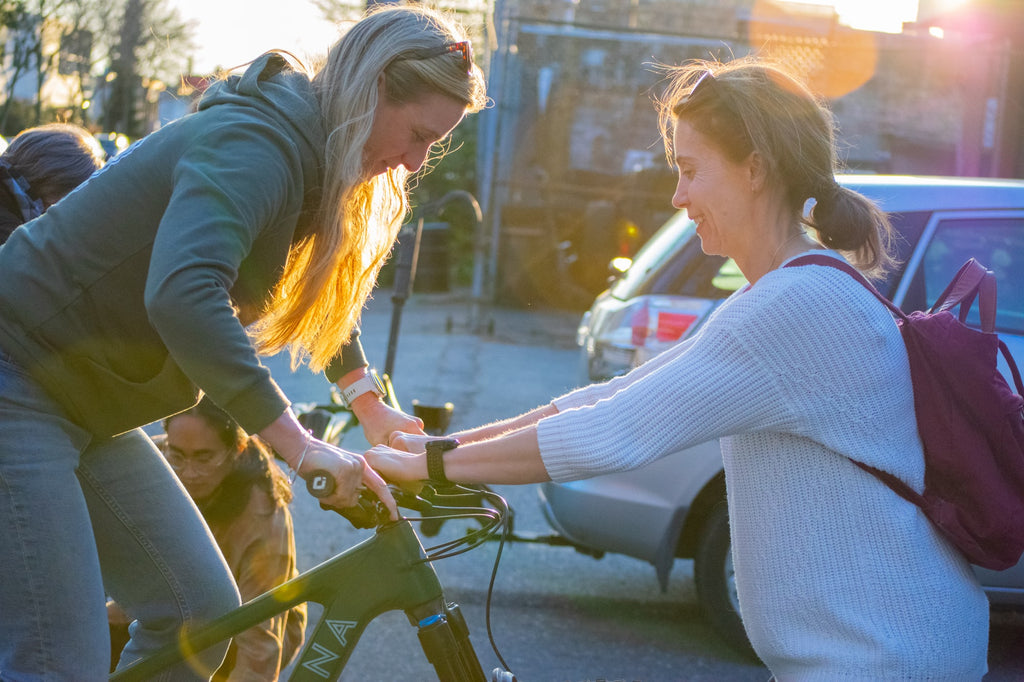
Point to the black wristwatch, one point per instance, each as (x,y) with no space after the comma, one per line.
(435,458)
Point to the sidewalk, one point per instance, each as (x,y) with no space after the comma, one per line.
(530,358)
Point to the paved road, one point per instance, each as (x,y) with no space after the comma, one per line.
(557,615)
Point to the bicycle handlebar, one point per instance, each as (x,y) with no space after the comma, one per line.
(431,501)
(368,512)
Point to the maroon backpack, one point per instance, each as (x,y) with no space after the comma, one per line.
(970,421)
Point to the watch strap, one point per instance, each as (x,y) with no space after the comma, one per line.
(435,458)
(366,384)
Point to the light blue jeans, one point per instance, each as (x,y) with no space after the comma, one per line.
(81,518)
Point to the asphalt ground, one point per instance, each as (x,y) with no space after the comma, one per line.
(556,614)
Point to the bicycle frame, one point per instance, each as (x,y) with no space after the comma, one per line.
(386,572)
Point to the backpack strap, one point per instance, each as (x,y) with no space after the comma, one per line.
(1014,372)
(973,279)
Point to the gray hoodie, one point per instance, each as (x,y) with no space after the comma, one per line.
(130,296)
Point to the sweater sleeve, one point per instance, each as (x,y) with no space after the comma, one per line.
(588,395)
(711,387)
(217,209)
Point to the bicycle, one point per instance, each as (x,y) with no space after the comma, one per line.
(388,571)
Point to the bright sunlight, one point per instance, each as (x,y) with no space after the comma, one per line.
(870,15)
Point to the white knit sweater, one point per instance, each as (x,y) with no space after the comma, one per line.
(839,578)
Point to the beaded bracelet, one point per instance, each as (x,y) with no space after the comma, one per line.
(302,457)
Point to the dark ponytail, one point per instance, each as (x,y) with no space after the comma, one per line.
(849,222)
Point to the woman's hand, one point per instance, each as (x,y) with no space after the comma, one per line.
(349,471)
(350,474)
(379,420)
(410,442)
(404,468)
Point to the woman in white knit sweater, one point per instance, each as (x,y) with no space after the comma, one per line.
(839,578)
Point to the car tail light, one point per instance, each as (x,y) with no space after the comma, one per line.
(658,324)
(617,339)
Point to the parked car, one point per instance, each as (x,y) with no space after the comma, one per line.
(675,507)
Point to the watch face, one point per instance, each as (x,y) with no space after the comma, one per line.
(378,383)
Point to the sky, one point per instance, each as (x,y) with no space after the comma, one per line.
(232,32)
(871,15)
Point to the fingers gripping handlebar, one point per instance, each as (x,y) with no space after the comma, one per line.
(368,512)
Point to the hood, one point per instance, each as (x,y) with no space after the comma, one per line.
(270,85)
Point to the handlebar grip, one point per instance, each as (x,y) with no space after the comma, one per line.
(365,514)
(320,483)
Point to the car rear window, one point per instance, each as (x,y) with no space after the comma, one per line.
(907,228)
(998,244)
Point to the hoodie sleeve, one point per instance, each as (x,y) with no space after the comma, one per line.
(351,357)
(236,181)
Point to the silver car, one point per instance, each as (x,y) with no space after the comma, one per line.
(675,507)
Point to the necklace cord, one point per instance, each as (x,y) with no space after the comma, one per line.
(783,245)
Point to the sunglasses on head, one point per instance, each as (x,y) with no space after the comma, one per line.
(462,48)
(705,82)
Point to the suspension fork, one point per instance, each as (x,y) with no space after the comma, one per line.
(390,574)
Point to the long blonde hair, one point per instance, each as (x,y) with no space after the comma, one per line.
(330,272)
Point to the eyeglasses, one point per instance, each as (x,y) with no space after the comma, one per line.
(206,461)
(463,48)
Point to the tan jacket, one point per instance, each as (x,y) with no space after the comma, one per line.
(259,546)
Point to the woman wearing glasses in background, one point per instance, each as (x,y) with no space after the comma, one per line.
(256,224)
(839,578)
(243,496)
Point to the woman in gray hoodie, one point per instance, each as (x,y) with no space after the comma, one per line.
(254,225)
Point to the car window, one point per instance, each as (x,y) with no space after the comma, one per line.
(729,277)
(664,245)
(672,262)
(998,244)
(907,230)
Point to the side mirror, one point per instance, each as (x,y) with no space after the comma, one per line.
(617,267)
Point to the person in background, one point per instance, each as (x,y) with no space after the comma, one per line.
(243,496)
(798,374)
(39,167)
(255,225)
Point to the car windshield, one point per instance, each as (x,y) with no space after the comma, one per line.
(663,246)
(672,262)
